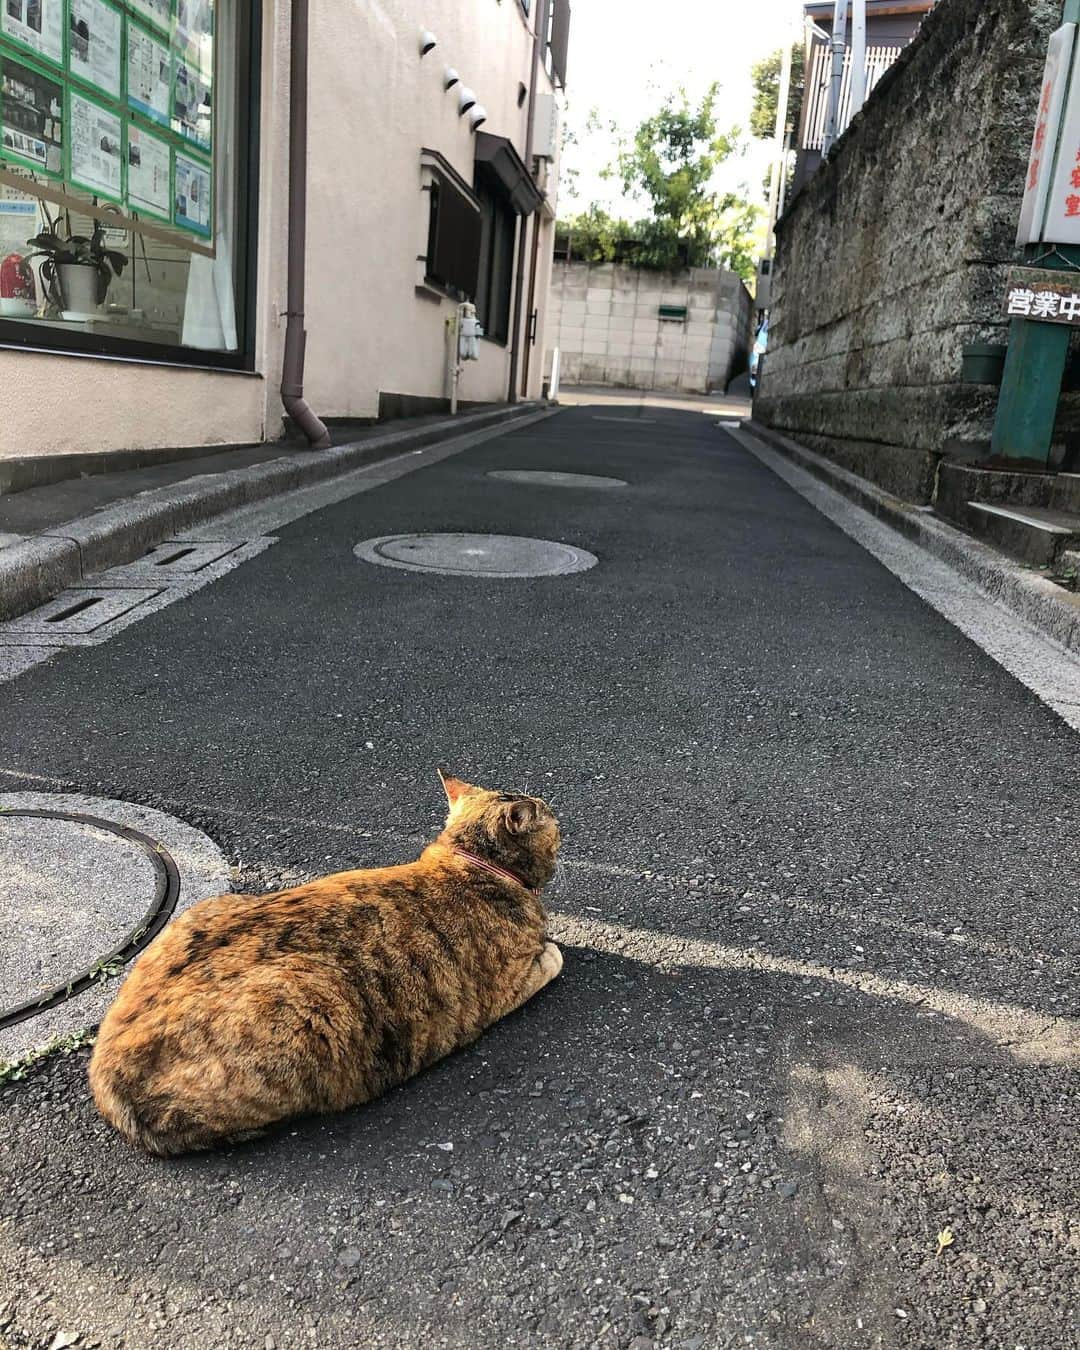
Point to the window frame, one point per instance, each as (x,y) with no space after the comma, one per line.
(16,335)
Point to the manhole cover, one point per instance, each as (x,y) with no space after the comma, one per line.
(82,894)
(554,478)
(475,555)
(85,883)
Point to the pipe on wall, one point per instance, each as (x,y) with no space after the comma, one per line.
(292,366)
(539,38)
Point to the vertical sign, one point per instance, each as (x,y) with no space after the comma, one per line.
(1045,140)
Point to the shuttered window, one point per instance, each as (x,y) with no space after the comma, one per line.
(453,252)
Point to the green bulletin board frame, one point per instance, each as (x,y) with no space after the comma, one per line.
(84,81)
(17,44)
(19,54)
(167,132)
(106,105)
(154,134)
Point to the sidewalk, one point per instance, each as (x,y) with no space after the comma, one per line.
(55,535)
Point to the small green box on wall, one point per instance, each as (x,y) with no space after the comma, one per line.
(673,313)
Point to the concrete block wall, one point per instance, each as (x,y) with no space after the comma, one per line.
(605,320)
(894,255)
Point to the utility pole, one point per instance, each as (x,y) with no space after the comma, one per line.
(839,50)
(858,55)
(779,167)
(1036,357)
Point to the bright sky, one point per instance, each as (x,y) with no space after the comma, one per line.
(626,54)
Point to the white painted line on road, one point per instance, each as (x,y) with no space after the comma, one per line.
(1047,669)
(1029,1037)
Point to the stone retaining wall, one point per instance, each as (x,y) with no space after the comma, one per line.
(894,255)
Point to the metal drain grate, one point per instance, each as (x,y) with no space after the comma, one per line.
(180,556)
(80,611)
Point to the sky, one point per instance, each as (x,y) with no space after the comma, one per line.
(625,55)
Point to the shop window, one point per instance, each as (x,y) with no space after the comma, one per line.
(128,133)
(496,276)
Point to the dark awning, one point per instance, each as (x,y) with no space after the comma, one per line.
(500,161)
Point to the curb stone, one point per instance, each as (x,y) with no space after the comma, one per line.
(1033,598)
(40,567)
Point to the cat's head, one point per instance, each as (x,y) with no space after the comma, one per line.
(508,827)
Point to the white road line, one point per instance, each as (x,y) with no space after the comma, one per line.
(1047,669)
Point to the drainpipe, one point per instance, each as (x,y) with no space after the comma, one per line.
(292,368)
(541,44)
(519,279)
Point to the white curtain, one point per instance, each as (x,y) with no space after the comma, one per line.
(210,304)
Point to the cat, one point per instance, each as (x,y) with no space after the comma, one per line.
(248,1010)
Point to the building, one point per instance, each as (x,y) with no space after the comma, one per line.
(890,27)
(431,162)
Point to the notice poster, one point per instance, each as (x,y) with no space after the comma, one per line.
(196,17)
(96,145)
(95,44)
(158,12)
(149,75)
(37,24)
(191,207)
(31,117)
(148,174)
(191,103)
(18,223)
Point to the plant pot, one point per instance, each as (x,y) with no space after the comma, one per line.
(983,363)
(79,287)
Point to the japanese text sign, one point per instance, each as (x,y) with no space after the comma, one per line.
(1042,199)
(1051,297)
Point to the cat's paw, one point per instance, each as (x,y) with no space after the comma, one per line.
(550,960)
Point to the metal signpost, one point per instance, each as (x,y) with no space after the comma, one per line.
(1041,303)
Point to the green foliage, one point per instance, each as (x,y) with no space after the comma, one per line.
(671,162)
(766,80)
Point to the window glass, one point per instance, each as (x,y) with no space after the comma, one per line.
(124,130)
(496,277)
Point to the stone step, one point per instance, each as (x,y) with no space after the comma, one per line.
(1033,534)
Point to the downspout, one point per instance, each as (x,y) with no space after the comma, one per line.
(519,278)
(292,367)
(541,44)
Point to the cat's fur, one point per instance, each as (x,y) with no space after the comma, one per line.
(250,1009)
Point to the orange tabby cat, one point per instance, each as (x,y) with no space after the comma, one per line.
(250,1009)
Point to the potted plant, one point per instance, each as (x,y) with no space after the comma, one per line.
(77,269)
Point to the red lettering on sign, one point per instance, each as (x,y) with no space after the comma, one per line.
(1040,136)
(1033,180)
(1072,206)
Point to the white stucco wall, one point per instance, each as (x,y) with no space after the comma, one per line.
(373,104)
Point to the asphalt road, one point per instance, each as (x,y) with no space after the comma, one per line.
(819,915)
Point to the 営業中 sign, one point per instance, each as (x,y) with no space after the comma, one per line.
(1052,297)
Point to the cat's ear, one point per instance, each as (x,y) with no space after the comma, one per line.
(520,816)
(455,788)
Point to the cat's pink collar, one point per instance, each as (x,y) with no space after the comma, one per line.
(495,870)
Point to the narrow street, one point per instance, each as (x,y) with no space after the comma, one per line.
(818,910)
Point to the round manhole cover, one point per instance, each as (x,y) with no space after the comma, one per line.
(85,884)
(476,555)
(556,478)
(83,890)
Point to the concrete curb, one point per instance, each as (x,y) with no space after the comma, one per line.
(1053,611)
(38,568)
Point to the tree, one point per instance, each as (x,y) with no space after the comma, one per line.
(766,80)
(672,161)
